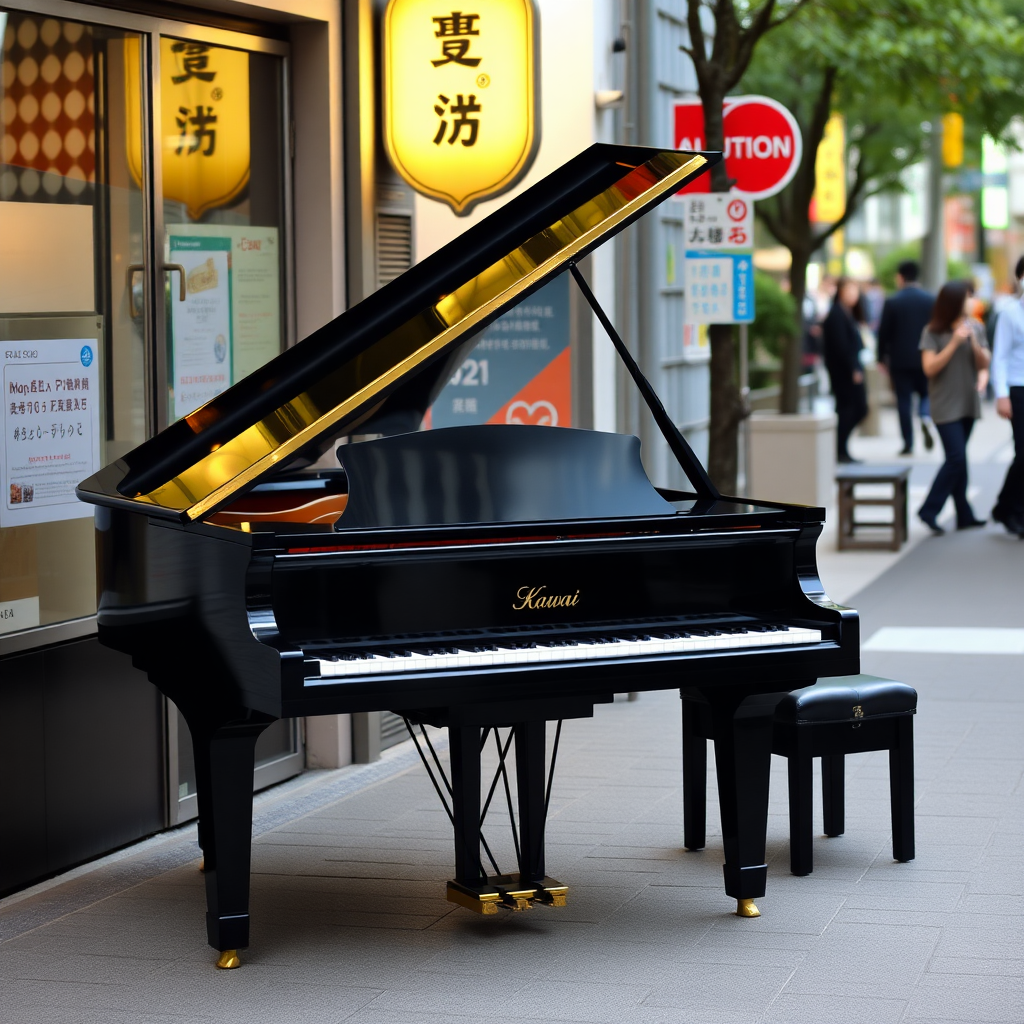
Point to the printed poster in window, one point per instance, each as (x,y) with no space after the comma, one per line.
(201,339)
(51,423)
(519,371)
(255,291)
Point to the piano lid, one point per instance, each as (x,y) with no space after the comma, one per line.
(346,371)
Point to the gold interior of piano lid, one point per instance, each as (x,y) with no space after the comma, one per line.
(232,465)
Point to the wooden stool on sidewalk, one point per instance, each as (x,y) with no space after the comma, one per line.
(838,716)
(848,478)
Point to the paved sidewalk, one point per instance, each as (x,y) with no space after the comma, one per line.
(351,924)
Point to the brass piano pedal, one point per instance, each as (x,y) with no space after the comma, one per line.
(514,895)
(747,908)
(517,901)
(552,893)
(506,892)
(481,899)
(228,960)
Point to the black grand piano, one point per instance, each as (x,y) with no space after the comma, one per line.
(473,578)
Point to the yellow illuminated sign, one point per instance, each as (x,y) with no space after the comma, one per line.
(460,96)
(952,140)
(203,122)
(830,172)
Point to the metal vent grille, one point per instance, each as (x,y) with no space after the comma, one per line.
(392,729)
(394,246)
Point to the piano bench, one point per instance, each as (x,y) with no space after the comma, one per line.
(838,716)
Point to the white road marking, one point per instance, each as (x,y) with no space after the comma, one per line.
(947,640)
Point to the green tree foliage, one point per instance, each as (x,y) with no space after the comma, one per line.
(888,66)
(774,319)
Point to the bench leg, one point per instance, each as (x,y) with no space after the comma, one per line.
(845,515)
(801,805)
(695,781)
(833,793)
(901,789)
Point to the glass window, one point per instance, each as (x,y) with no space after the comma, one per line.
(72,339)
(223,216)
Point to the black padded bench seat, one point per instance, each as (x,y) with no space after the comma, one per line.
(835,717)
(846,699)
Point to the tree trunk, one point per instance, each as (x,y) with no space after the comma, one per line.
(933,247)
(726,409)
(789,398)
(726,402)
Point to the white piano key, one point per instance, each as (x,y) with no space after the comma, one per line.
(560,652)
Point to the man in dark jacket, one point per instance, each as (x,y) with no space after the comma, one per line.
(904,317)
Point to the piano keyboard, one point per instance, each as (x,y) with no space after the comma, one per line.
(430,658)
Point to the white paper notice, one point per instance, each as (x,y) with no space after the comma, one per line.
(255,298)
(201,325)
(51,419)
(20,614)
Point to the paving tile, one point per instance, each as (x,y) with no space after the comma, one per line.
(944,997)
(893,918)
(697,987)
(550,999)
(981,935)
(905,894)
(795,1008)
(1010,906)
(1010,968)
(866,960)
(439,993)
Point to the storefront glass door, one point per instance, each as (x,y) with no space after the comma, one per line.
(144,252)
(219,146)
(219,168)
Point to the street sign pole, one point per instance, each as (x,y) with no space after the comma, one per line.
(718,233)
(744,474)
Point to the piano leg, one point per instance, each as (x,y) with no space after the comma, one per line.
(695,778)
(530,773)
(470,887)
(465,753)
(530,776)
(225,759)
(743,749)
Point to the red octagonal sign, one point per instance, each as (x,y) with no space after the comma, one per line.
(762,143)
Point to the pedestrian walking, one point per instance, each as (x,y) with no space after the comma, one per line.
(1008,383)
(904,317)
(953,351)
(842,344)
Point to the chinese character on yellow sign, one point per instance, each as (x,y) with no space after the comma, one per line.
(829,202)
(204,122)
(460,96)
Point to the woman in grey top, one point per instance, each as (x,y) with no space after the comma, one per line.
(953,350)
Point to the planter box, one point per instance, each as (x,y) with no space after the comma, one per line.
(793,458)
(879,397)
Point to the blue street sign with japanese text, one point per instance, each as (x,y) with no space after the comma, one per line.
(719,287)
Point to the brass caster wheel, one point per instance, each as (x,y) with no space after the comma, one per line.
(747,908)
(228,960)
(202,865)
